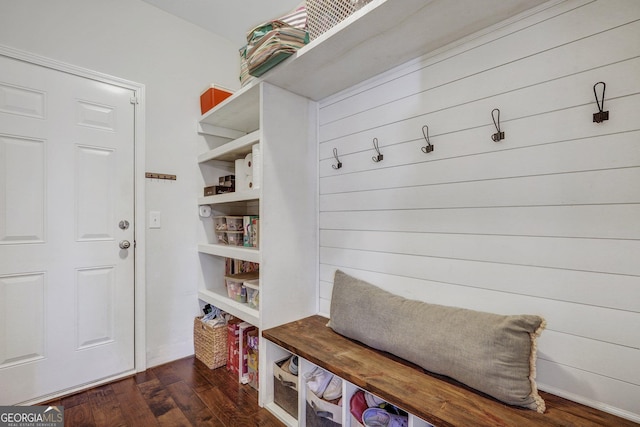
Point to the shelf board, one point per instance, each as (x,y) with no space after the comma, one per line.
(239,112)
(233,150)
(382,35)
(236,196)
(227,251)
(237,309)
(207,129)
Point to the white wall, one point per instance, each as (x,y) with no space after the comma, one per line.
(544,222)
(175,60)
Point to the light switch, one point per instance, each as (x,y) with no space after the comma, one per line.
(154,219)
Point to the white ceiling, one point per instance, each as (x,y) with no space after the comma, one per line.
(230,19)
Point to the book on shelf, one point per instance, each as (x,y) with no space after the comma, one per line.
(253,340)
(233,342)
(250,231)
(236,266)
(255,232)
(243,348)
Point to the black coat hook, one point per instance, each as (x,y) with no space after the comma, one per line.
(496,121)
(338,165)
(429,147)
(379,157)
(601,115)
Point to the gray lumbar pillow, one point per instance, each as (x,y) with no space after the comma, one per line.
(491,353)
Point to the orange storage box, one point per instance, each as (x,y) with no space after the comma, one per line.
(213,96)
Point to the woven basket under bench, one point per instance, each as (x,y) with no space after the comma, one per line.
(210,343)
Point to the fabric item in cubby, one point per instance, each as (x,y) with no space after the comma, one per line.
(376,417)
(358,404)
(334,389)
(318,380)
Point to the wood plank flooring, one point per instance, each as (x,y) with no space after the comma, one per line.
(180,393)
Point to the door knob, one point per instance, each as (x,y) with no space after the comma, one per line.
(124,244)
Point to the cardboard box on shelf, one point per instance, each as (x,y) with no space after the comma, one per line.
(233,342)
(243,369)
(213,190)
(252,367)
(253,339)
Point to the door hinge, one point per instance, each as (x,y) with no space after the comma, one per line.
(133,100)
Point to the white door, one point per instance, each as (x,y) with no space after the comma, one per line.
(66,182)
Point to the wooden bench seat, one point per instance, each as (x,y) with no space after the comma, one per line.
(435,399)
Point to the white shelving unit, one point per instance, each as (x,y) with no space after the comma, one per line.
(284,124)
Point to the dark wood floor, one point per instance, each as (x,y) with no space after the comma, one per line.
(181,393)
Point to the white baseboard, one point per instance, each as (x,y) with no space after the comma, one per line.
(590,402)
(169,353)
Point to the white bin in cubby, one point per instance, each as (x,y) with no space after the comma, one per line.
(234,223)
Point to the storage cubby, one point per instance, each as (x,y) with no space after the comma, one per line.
(319,410)
(276,355)
(286,386)
(360,400)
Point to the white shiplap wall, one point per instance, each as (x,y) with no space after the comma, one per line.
(546,221)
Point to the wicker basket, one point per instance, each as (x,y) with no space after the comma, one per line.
(210,343)
(325,14)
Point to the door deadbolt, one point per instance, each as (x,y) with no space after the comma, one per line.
(124,224)
(125,244)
